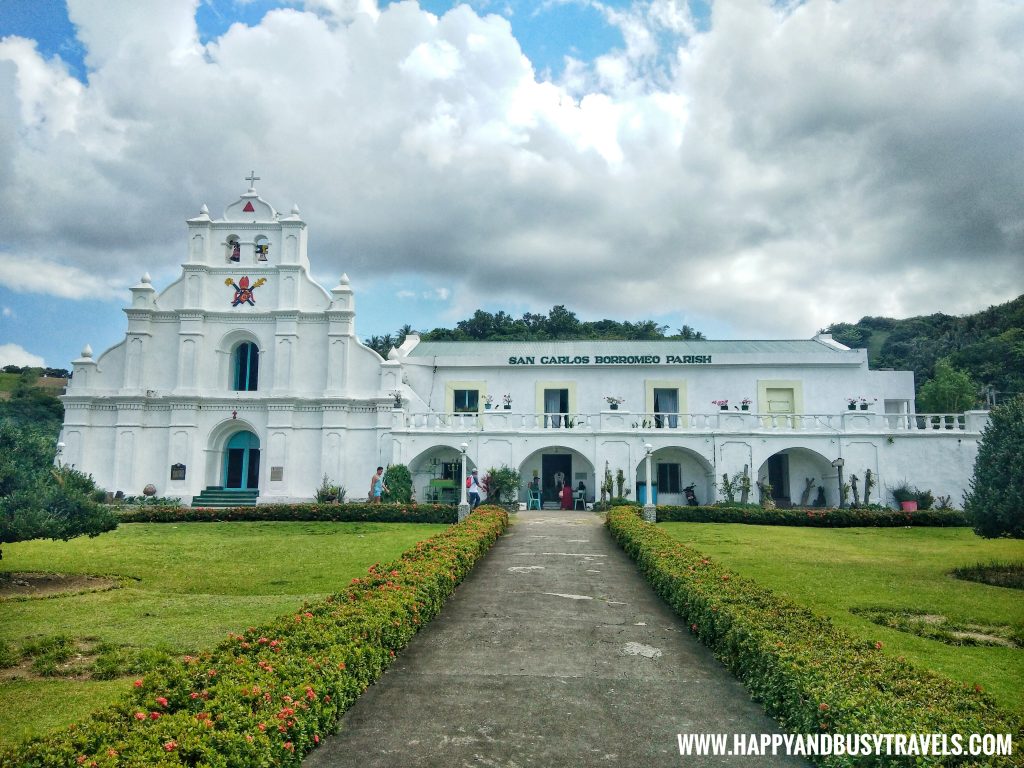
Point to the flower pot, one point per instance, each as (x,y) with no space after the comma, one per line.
(852,406)
(487,406)
(508,407)
(724,407)
(863,406)
(614,406)
(744,407)
(908,506)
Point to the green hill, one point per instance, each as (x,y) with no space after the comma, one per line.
(989,345)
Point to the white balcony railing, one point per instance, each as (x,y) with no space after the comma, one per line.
(722,421)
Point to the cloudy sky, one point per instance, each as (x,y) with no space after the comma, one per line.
(754,169)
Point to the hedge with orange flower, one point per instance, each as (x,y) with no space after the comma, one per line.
(810,675)
(267,695)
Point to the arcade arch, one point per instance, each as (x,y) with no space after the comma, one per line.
(788,471)
(672,470)
(437,472)
(554,465)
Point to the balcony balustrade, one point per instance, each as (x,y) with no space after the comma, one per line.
(692,423)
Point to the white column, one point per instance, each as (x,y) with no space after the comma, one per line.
(463,501)
(650,511)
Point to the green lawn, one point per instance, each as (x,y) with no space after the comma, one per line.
(834,570)
(188,585)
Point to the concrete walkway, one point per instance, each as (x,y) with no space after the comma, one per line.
(554,652)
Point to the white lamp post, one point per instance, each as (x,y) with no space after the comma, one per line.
(650,511)
(463,502)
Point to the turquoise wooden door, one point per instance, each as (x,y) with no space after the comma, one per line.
(242,461)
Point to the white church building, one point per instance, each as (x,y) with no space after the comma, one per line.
(245,374)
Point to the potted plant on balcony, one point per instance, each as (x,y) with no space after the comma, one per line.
(488,401)
(507,400)
(745,404)
(614,402)
(722,404)
(864,402)
(397,395)
(851,403)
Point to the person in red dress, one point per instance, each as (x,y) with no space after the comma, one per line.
(566,496)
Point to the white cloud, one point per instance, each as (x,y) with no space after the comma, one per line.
(406,294)
(7,312)
(67,282)
(787,167)
(12,354)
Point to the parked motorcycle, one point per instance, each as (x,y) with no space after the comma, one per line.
(691,497)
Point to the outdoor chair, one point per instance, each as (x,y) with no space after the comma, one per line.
(533,501)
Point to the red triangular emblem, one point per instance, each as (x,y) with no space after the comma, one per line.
(248,208)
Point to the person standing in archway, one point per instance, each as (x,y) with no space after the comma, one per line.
(567,496)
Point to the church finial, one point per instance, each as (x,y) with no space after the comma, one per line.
(252,178)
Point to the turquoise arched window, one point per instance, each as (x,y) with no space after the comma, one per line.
(247,367)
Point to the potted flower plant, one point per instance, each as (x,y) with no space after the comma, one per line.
(722,404)
(864,402)
(745,404)
(397,395)
(488,400)
(507,400)
(906,496)
(614,402)
(851,403)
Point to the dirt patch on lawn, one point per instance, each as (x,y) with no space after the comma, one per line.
(935,626)
(41,585)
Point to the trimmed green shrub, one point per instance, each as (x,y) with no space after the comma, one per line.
(808,674)
(814,518)
(995,500)
(356,512)
(398,481)
(39,500)
(265,697)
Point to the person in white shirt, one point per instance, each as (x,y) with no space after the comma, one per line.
(473,490)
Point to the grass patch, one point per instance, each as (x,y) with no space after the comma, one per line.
(838,571)
(189,585)
(267,695)
(1009,575)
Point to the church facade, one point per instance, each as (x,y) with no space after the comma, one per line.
(246,374)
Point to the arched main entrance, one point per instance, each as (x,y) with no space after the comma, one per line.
(555,466)
(242,461)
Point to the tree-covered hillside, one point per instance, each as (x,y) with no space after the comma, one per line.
(560,324)
(988,345)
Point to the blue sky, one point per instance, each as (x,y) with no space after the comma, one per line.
(719,165)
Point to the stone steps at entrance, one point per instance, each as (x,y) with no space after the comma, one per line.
(218,496)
